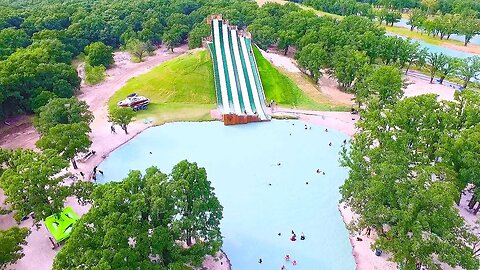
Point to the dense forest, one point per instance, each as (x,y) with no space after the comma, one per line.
(36,49)
(435,17)
(39,39)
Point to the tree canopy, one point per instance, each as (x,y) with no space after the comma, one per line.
(141,222)
(98,54)
(62,111)
(406,174)
(121,116)
(10,245)
(67,140)
(32,182)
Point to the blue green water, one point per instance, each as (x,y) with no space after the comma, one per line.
(241,162)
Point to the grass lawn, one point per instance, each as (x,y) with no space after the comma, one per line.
(421,36)
(181,89)
(283,87)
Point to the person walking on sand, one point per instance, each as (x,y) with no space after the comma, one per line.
(112,128)
(94,170)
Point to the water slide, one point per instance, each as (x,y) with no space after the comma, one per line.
(239,88)
(241,75)
(231,74)
(220,67)
(253,84)
(216,77)
(256,73)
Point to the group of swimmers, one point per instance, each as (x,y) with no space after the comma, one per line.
(293,238)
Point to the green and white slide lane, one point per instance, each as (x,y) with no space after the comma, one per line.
(253,85)
(221,71)
(241,75)
(231,75)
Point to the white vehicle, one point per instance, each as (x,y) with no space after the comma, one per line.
(134,101)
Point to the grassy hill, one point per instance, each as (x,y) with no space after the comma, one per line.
(292,90)
(183,89)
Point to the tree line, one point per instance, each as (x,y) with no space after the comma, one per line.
(444,25)
(440,18)
(409,166)
(38,40)
(350,48)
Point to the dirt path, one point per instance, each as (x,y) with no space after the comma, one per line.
(325,92)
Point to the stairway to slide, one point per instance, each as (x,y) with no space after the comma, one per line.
(240,95)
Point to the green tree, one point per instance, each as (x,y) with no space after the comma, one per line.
(430,5)
(436,61)
(451,67)
(198,209)
(98,54)
(196,36)
(416,19)
(415,55)
(139,49)
(62,111)
(53,50)
(384,84)
(121,116)
(469,27)
(313,58)
(131,225)
(263,35)
(67,140)
(28,72)
(32,182)
(174,36)
(10,245)
(10,40)
(469,68)
(347,64)
(41,99)
(398,187)
(286,38)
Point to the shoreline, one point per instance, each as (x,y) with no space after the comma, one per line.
(105,143)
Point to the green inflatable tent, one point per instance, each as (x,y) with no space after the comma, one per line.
(61,225)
